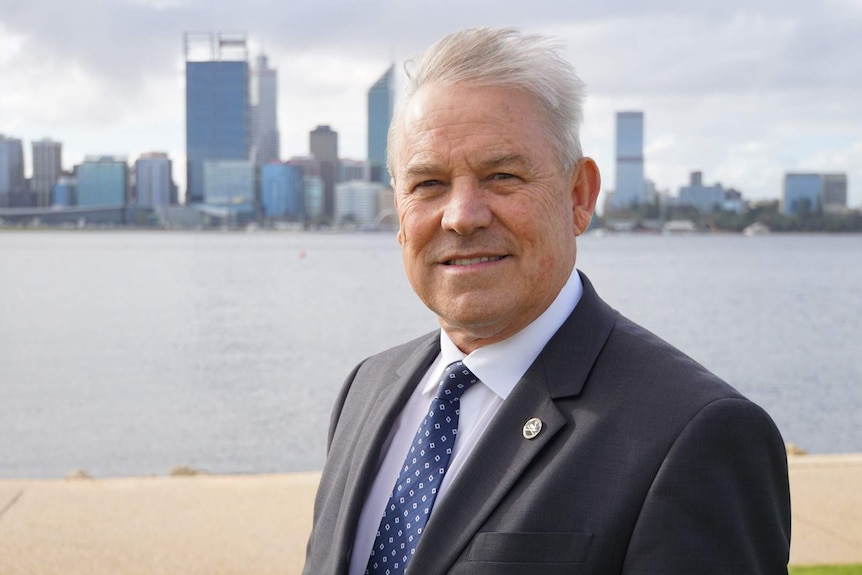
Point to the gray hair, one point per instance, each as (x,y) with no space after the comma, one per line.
(503,57)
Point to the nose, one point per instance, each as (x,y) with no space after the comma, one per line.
(466,208)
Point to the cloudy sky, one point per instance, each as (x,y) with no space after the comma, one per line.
(744,90)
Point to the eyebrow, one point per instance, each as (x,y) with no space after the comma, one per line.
(505,160)
(431,169)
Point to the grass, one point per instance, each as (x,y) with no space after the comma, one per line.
(827,570)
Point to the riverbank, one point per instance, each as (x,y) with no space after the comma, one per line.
(258,524)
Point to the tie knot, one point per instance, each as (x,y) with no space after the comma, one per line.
(456,379)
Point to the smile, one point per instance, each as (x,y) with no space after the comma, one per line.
(473,261)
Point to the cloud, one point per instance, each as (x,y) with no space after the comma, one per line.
(741,90)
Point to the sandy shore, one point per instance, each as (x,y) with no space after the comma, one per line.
(258,525)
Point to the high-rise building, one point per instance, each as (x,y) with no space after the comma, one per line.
(217,104)
(834,192)
(810,192)
(312,198)
(705,199)
(801,193)
(630,187)
(265,142)
(281,191)
(229,182)
(47,168)
(381,100)
(358,203)
(153,182)
(63,193)
(11,169)
(352,170)
(323,145)
(102,181)
(312,187)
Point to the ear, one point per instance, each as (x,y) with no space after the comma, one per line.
(585,192)
(400,235)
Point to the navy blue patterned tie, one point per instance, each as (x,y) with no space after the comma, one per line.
(411,501)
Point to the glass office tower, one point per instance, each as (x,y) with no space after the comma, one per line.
(264,113)
(381,99)
(630,187)
(217,104)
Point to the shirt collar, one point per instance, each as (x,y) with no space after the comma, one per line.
(501,365)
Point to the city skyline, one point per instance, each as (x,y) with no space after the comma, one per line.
(742,92)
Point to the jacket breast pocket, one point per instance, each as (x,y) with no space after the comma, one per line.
(528,552)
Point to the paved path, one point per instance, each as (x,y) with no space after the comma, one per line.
(826,499)
(257,525)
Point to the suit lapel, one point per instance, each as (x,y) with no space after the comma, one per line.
(381,408)
(494,467)
(503,453)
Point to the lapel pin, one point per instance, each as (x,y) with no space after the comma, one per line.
(532,428)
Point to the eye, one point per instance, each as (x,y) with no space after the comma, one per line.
(428,184)
(501,177)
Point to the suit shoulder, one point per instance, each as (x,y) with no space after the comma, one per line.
(652,362)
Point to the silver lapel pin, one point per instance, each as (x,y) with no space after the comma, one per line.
(532,428)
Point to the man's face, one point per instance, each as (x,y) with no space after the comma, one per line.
(488,217)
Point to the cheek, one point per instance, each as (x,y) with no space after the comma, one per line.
(416,226)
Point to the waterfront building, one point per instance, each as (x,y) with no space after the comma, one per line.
(706,199)
(153,182)
(102,181)
(11,170)
(309,166)
(63,192)
(358,203)
(217,104)
(801,193)
(323,145)
(381,101)
(833,193)
(265,142)
(47,168)
(733,201)
(229,182)
(281,191)
(312,198)
(352,170)
(630,187)
(812,192)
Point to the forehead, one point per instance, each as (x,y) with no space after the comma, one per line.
(443,124)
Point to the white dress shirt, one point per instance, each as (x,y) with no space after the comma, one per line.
(499,367)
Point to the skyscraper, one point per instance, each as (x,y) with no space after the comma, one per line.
(381,99)
(153,184)
(801,193)
(323,145)
(281,191)
(810,193)
(630,189)
(357,203)
(834,192)
(47,168)
(11,169)
(217,104)
(102,181)
(264,113)
(229,182)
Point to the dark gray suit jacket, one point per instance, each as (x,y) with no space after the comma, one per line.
(647,464)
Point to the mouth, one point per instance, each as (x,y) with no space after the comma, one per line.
(472,261)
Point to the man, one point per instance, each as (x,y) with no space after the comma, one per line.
(584,443)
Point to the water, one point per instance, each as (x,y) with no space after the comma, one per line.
(130,353)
